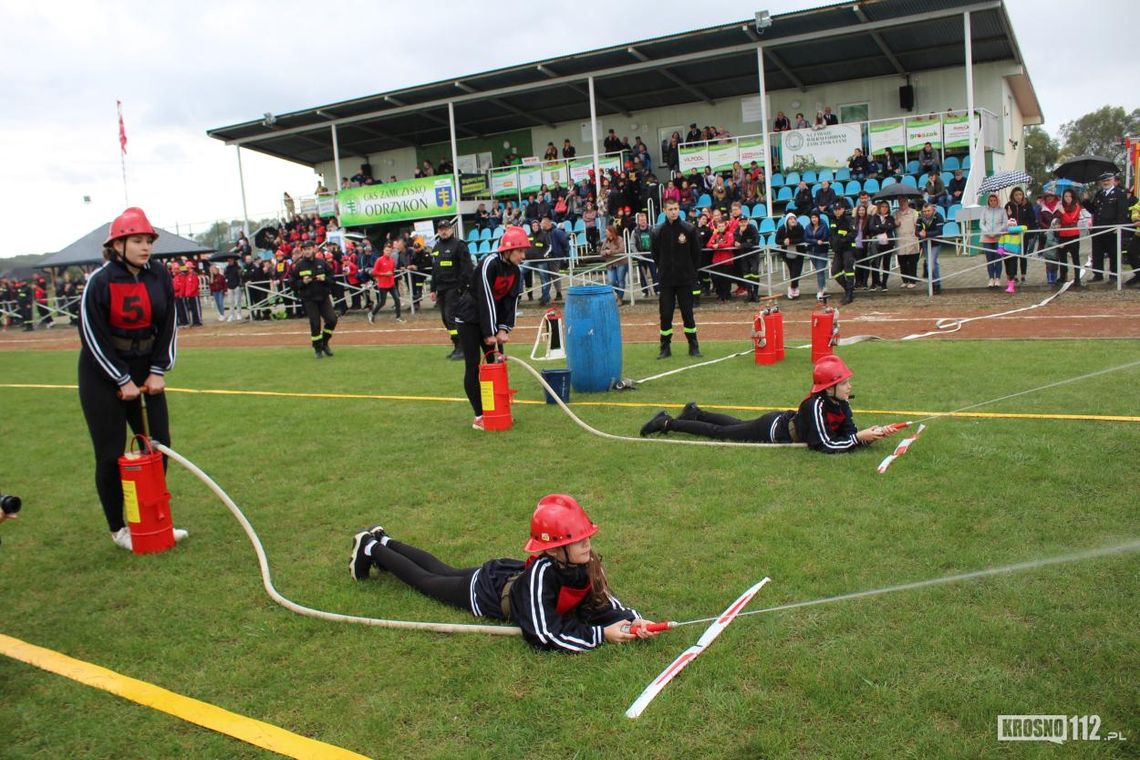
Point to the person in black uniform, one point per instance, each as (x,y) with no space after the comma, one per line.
(823,421)
(558,597)
(451,269)
(419,264)
(485,313)
(842,235)
(675,247)
(312,281)
(25,297)
(128,337)
(1109,207)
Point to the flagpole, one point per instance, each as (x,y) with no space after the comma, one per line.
(123,150)
(123,161)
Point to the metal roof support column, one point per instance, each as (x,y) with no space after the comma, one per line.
(455,165)
(764,118)
(977,157)
(241,181)
(336,158)
(594,137)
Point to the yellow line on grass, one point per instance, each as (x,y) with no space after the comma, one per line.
(620,404)
(249,730)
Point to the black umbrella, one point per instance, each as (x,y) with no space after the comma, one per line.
(231,254)
(1085,168)
(264,237)
(897,190)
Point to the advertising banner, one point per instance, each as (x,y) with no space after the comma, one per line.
(610,163)
(814,149)
(956,130)
(505,182)
(530,179)
(752,149)
(580,169)
(693,157)
(922,131)
(554,171)
(887,134)
(398,201)
(473,186)
(722,156)
(326,205)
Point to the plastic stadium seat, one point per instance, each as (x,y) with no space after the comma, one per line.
(909,180)
(785,194)
(952,212)
(951,164)
(946,177)
(912,166)
(565,224)
(889,181)
(966,162)
(772,240)
(853,188)
(485,247)
(777,180)
(705,201)
(871,186)
(498,233)
(759,211)
(823,219)
(752,223)
(792,179)
(473,235)
(843,175)
(810,178)
(745,210)
(485,234)
(767,226)
(579,225)
(803,220)
(950,229)
(661,217)
(580,238)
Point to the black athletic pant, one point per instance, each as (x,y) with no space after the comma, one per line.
(795,268)
(316,311)
(471,341)
(382,297)
(448,299)
(1071,248)
(727,428)
(671,297)
(425,573)
(1010,264)
(1104,253)
(107,417)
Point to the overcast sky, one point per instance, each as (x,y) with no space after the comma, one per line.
(182,68)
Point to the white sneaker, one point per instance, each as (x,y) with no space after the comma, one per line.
(122,538)
(221,318)
(230,318)
(179,534)
(791,293)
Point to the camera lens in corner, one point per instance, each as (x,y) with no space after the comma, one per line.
(9,504)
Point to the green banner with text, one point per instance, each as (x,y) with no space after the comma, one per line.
(398,201)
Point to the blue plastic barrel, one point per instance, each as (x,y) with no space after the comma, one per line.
(593,338)
(559,380)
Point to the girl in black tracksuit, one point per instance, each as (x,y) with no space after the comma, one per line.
(558,596)
(129,343)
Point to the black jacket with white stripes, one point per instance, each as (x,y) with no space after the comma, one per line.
(825,424)
(127,319)
(548,601)
(490,300)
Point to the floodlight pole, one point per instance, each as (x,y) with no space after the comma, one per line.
(455,164)
(241,181)
(764,119)
(594,139)
(970,89)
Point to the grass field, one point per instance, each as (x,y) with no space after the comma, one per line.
(921,673)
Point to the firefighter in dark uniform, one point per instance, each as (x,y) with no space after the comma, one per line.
(128,336)
(419,264)
(25,297)
(747,238)
(842,235)
(823,421)
(451,269)
(485,314)
(1109,207)
(675,247)
(312,281)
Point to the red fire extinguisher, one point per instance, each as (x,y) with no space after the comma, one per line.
(768,335)
(146,501)
(824,330)
(495,388)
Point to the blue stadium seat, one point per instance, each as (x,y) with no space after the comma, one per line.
(951,164)
(484,247)
(498,233)
(853,188)
(785,194)
(767,226)
(809,177)
(777,180)
(473,235)
(803,220)
(823,219)
(760,210)
(950,229)
(579,225)
(946,177)
(565,224)
(745,210)
(966,162)
(752,223)
(772,240)
(580,238)
(912,166)
(485,234)
(816,188)
(843,175)
(889,181)
(661,217)
(871,186)
(827,174)
(909,180)
(705,201)
(952,212)
(792,179)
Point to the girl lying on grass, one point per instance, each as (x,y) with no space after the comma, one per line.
(823,421)
(558,596)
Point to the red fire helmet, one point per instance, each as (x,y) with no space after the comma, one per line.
(131,222)
(828,371)
(558,520)
(513,238)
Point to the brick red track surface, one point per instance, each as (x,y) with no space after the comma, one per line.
(1094,313)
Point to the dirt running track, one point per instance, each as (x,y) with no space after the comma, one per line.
(1093,313)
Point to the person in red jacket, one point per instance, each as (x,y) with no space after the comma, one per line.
(351,276)
(1069,236)
(384,274)
(723,245)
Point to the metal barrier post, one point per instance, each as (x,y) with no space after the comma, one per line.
(1119,270)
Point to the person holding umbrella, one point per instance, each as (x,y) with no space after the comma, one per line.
(906,223)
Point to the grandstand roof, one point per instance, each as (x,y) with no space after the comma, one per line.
(704,65)
(89,248)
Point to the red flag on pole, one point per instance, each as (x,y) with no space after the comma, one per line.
(122,129)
